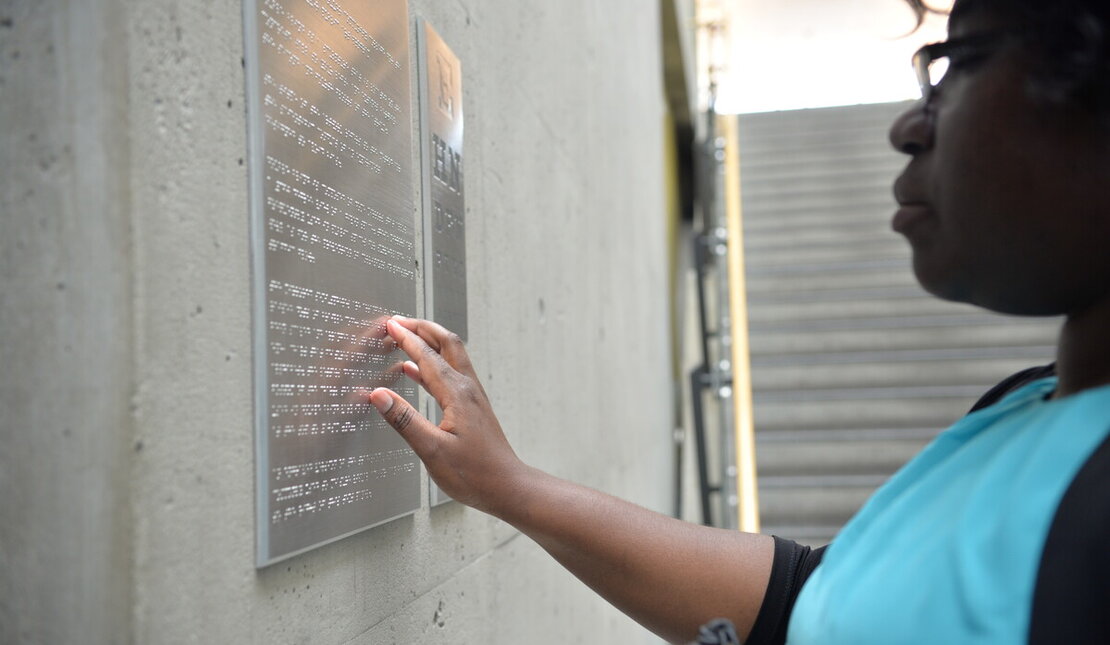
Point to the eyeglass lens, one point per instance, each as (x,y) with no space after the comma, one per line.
(930,71)
(937,70)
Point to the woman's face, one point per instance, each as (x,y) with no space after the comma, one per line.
(1005,202)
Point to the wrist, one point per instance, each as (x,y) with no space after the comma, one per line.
(511,495)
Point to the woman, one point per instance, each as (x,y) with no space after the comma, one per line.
(998,531)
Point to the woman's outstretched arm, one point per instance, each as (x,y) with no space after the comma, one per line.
(670,576)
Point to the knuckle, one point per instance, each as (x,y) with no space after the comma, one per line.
(468,391)
(454,339)
(401,418)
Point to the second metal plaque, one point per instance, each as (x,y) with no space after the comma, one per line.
(441,127)
(444,205)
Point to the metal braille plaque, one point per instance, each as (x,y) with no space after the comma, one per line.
(333,253)
(444,213)
(441,120)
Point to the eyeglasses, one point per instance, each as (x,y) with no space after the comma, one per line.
(932,62)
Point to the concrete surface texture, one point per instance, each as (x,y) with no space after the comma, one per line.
(127,469)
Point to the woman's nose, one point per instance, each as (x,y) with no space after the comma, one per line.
(912,132)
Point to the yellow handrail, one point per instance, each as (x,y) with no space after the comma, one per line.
(746,491)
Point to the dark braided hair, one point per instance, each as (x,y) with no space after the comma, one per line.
(1067,40)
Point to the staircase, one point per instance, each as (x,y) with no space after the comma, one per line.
(854,367)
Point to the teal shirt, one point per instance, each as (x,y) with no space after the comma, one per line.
(947,551)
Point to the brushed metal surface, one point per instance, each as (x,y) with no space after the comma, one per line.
(445,204)
(441,127)
(333,239)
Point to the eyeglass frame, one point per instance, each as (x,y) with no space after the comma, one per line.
(924,57)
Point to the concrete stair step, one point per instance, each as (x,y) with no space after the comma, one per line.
(886,373)
(937,411)
(771,190)
(770,219)
(1018,332)
(889,285)
(850,143)
(776,127)
(820,123)
(784,222)
(792,253)
(863,309)
(837,274)
(828,500)
(859,433)
(779,285)
(850,140)
(1033,354)
(760,179)
(885,248)
(937,321)
(873,231)
(780,121)
(777,458)
(878,194)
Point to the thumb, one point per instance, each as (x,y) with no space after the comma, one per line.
(410,424)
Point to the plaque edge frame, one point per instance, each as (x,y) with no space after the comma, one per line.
(255,197)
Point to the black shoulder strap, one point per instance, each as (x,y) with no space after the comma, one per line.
(1012,383)
(1071,602)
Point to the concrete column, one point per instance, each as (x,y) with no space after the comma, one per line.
(66,337)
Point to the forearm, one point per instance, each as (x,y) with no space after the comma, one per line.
(670,576)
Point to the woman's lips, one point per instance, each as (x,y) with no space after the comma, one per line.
(908,215)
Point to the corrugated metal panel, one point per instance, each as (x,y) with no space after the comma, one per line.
(855,368)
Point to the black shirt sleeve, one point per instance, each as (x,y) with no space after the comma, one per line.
(792,565)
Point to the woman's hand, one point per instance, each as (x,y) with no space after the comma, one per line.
(669,575)
(467,454)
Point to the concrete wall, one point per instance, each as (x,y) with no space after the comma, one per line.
(67,345)
(127,462)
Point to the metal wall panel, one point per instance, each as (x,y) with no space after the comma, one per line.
(441,126)
(445,210)
(334,254)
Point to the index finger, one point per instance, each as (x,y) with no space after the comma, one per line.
(439,338)
(435,372)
